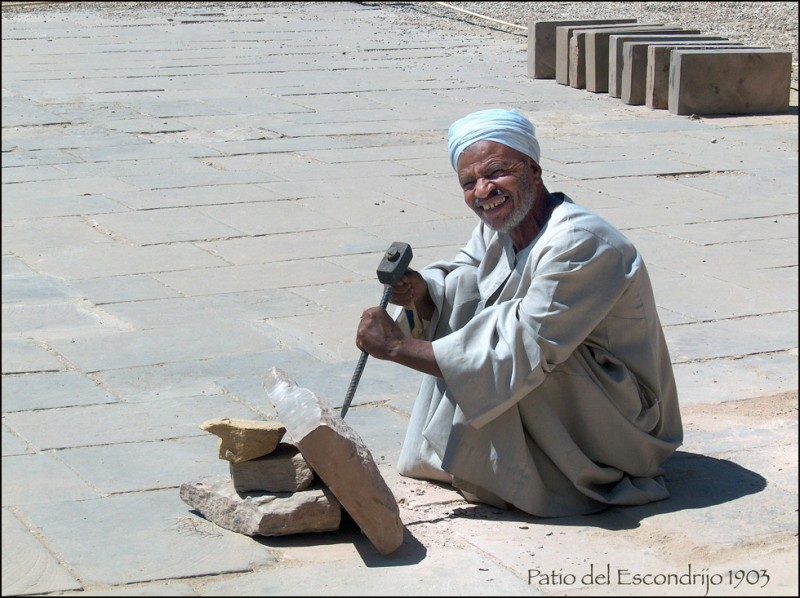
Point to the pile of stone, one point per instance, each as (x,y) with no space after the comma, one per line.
(661,66)
(279,487)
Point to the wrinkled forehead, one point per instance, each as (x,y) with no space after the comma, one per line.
(485,152)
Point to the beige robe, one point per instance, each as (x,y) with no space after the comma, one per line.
(558,395)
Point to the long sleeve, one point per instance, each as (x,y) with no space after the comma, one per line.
(555,301)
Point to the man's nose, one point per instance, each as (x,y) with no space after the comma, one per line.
(484,188)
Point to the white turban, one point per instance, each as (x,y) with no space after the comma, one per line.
(508,127)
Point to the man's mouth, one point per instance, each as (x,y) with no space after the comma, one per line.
(490,205)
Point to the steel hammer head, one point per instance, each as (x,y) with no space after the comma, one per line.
(394,263)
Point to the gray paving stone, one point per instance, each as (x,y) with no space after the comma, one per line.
(30,568)
(163,345)
(454,570)
(164,541)
(14,267)
(132,422)
(21,356)
(268,142)
(59,206)
(270,217)
(13,444)
(625,168)
(741,336)
(114,259)
(735,231)
(36,289)
(158,227)
(156,167)
(680,293)
(163,195)
(157,588)
(214,375)
(119,289)
(52,389)
(186,311)
(313,244)
(53,320)
(47,233)
(143,466)
(18,158)
(41,479)
(93,185)
(17,112)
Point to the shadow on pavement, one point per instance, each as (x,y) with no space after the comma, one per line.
(694,482)
(412,551)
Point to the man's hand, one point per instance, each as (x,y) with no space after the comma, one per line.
(380,336)
(412,288)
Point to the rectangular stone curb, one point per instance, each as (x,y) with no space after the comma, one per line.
(733,81)
(340,458)
(563,36)
(596,43)
(615,46)
(634,64)
(657,77)
(542,44)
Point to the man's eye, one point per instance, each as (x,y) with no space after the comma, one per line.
(467,185)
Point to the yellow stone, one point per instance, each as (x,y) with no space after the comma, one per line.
(244,439)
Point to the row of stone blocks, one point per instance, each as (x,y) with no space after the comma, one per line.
(661,66)
(277,488)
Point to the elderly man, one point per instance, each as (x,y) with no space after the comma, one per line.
(548,384)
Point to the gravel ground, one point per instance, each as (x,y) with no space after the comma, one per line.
(767,24)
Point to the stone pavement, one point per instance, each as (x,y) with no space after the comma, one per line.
(191,197)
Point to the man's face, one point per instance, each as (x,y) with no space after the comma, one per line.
(499,183)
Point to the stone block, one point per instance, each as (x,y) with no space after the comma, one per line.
(542,46)
(657,79)
(244,439)
(634,64)
(284,470)
(591,48)
(263,513)
(563,36)
(730,81)
(615,47)
(340,458)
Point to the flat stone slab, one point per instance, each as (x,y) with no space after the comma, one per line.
(340,458)
(615,46)
(244,439)
(263,513)
(590,47)
(542,44)
(730,81)
(657,74)
(634,64)
(564,35)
